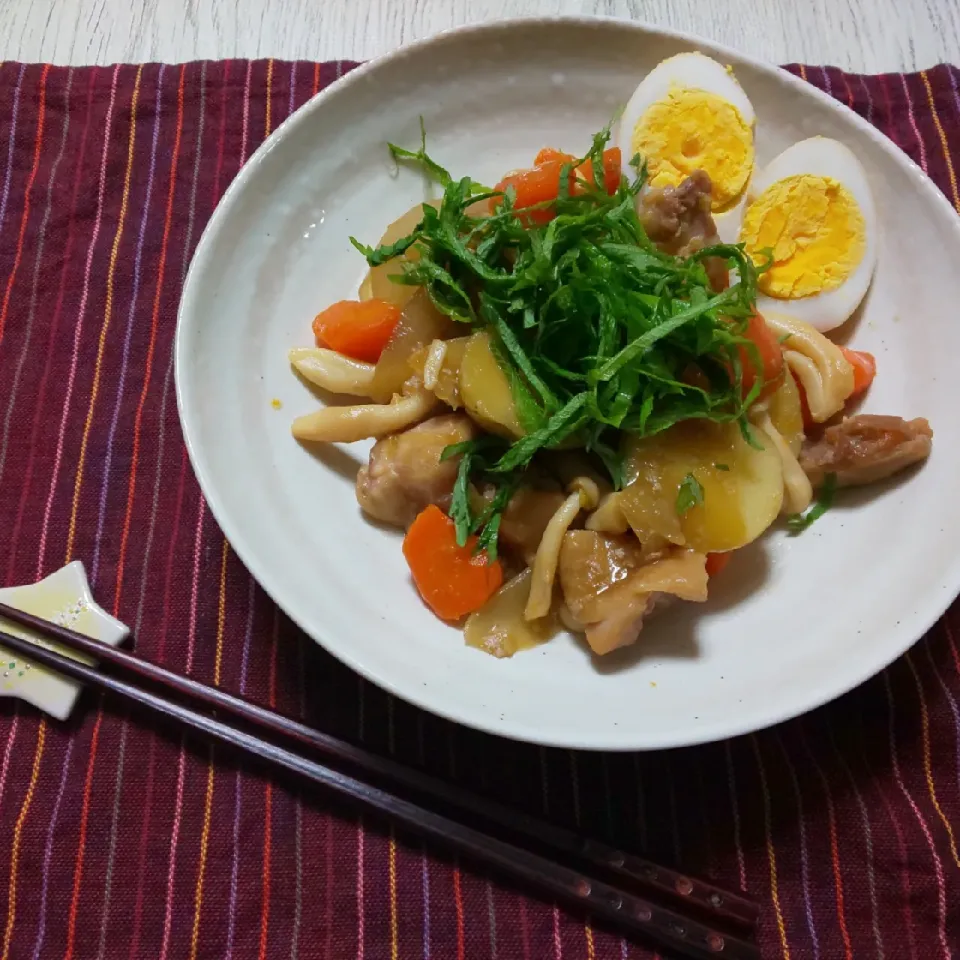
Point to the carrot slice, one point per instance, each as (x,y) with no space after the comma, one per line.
(612,164)
(532,187)
(716,562)
(357,329)
(452,580)
(771,358)
(550,155)
(864,368)
(541,184)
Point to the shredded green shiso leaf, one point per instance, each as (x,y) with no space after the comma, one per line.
(689,495)
(798,522)
(596,329)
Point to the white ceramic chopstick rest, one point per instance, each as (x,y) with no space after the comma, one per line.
(64,598)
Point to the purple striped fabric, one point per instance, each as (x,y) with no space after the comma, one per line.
(120,841)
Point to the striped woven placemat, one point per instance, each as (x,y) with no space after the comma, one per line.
(120,841)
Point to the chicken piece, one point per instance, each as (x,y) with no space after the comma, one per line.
(590,564)
(866,448)
(405,473)
(623,625)
(678,220)
(610,587)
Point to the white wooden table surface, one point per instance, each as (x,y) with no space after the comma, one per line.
(859,35)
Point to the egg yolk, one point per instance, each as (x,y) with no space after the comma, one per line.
(816,232)
(696,130)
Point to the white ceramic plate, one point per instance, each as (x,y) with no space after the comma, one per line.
(791,624)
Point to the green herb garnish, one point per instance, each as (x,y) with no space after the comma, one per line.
(722,466)
(596,329)
(380,255)
(475,463)
(420,158)
(798,522)
(460,501)
(689,495)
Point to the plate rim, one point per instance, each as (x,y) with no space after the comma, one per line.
(915,627)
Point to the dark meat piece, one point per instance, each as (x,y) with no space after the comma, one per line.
(678,220)
(623,624)
(866,448)
(405,473)
(610,587)
(590,564)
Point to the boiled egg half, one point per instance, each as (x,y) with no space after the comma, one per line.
(812,209)
(688,114)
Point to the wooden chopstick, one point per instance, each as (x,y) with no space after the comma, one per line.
(668,926)
(716,904)
(687,936)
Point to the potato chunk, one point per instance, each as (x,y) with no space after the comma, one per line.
(742,486)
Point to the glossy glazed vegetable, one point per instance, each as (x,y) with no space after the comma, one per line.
(452,580)
(701,484)
(864,368)
(771,358)
(541,183)
(485,389)
(357,329)
(419,325)
(377,283)
(786,412)
(499,628)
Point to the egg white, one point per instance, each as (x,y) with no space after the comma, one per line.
(690,71)
(823,157)
(728,222)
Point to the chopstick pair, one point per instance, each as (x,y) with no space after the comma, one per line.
(692,917)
